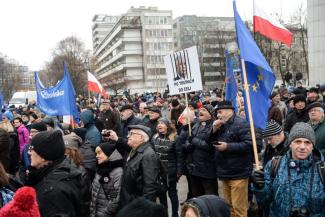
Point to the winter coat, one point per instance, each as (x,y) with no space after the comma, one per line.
(23,137)
(4,149)
(123,132)
(13,153)
(89,157)
(294,117)
(236,161)
(165,147)
(277,193)
(92,134)
(140,175)
(59,188)
(279,150)
(320,136)
(110,119)
(152,124)
(106,188)
(200,152)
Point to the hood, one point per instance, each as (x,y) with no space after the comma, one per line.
(211,205)
(115,156)
(87,117)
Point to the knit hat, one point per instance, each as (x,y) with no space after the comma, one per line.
(81,132)
(72,141)
(9,115)
(154,109)
(224,105)
(165,121)
(49,121)
(24,204)
(209,108)
(39,126)
(299,98)
(108,148)
(49,145)
(272,128)
(302,130)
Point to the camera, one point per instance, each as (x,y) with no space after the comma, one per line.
(106,133)
(299,212)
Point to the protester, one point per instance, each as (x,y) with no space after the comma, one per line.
(175,112)
(293,185)
(142,168)
(109,117)
(164,144)
(274,111)
(299,113)
(317,121)
(234,156)
(57,181)
(107,183)
(154,114)
(92,135)
(4,149)
(205,206)
(23,134)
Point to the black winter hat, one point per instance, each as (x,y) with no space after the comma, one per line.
(175,102)
(299,98)
(315,105)
(155,109)
(49,121)
(39,126)
(126,107)
(108,148)
(49,145)
(272,128)
(224,105)
(81,132)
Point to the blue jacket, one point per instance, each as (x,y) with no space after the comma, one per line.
(276,192)
(92,134)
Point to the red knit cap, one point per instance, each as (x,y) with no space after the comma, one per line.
(24,204)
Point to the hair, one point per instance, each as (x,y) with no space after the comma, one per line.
(142,207)
(186,206)
(7,126)
(144,136)
(74,155)
(4,179)
(19,119)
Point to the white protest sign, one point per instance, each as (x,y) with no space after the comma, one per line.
(183,71)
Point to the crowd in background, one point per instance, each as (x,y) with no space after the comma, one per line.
(124,156)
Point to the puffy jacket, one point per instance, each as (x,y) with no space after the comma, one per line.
(59,188)
(92,134)
(165,147)
(277,194)
(106,188)
(236,161)
(200,152)
(23,137)
(140,175)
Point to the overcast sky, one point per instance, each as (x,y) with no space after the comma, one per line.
(31,29)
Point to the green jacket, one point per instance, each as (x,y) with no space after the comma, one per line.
(320,136)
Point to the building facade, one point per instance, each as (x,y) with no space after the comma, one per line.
(316,41)
(130,57)
(211,36)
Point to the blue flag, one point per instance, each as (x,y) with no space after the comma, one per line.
(231,85)
(260,77)
(58,100)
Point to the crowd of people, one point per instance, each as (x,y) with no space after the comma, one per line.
(124,156)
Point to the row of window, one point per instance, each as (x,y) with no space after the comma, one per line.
(153,59)
(156,71)
(159,33)
(158,20)
(162,46)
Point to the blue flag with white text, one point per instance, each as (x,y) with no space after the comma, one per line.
(230,80)
(58,100)
(260,77)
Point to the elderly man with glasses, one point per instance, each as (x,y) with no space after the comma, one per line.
(142,167)
(316,116)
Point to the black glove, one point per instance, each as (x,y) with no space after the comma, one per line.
(187,147)
(190,139)
(258,178)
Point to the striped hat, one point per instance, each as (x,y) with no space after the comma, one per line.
(272,128)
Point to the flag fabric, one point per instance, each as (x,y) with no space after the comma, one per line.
(230,80)
(270,28)
(94,85)
(259,74)
(58,100)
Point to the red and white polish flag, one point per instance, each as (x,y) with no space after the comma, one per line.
(94,85)
(267,26)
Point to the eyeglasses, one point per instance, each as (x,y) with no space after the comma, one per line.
(133,133)
(315,110)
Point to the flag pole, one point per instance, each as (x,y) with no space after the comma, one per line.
(188,116)
(88,97)
(250,116)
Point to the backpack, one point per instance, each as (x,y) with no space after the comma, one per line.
(6,196)
(276,163)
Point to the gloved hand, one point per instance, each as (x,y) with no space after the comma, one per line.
(258,178)
(190,138)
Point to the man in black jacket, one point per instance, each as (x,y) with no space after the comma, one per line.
(299,113)
(109,117)
(234,155)
(142,167)
(57,180)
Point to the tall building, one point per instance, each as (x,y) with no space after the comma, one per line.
(211,36)
(130,57)
(316,41)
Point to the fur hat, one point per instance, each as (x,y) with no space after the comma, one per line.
(24,204)
(299,98)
